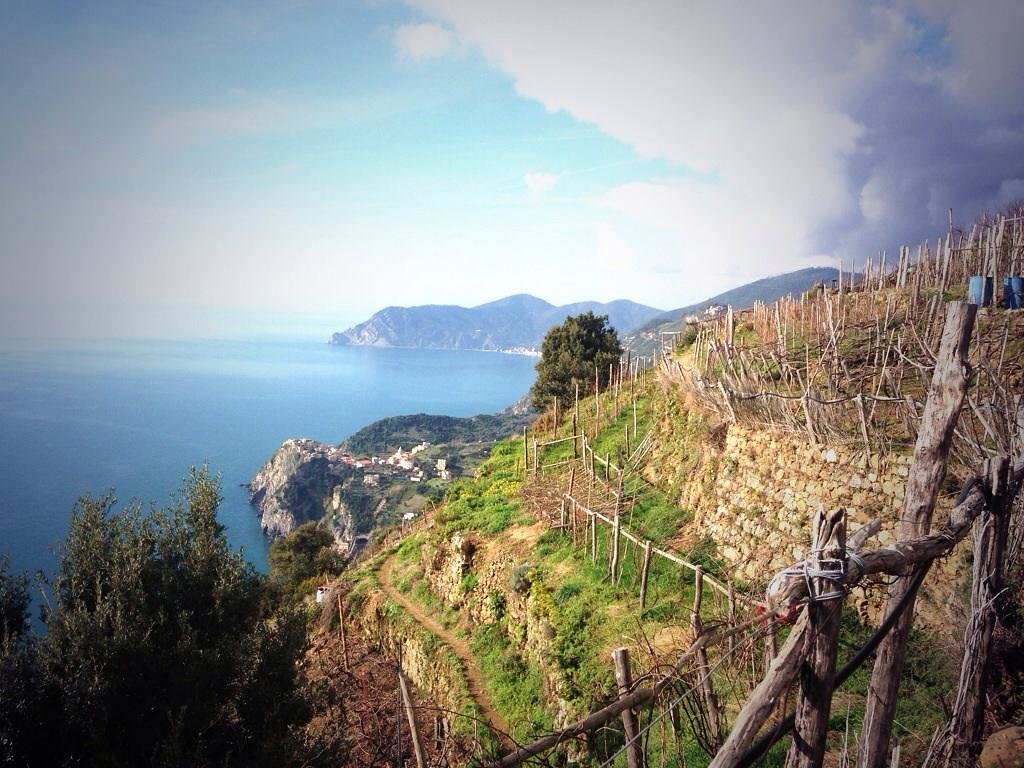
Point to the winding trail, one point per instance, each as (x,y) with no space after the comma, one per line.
(470,669)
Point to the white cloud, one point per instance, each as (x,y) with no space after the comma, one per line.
(612,253)
(540,183)
(829,133)
(424,41)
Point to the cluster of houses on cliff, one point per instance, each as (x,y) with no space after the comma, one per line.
(401,460)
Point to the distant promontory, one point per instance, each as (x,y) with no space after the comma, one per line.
(513,324)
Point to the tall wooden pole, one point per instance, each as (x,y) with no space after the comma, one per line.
(818,669)
(941,411)
(410,713)
(526,454)
(630,723)
(643,575)
(963,736)
(341,627)
(703,668)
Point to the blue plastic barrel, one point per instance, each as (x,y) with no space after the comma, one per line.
(979,290)
(1013,292)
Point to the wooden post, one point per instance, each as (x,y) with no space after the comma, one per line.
(526,454)
(572,479)
(572,511)
(762,702)
(963,736)
(818,670)
(941,412)
(725,399)
(613,385)
(341,628)
(807,416)
(732,614)
(536,458)
(630,724)
(863,421)
(575,437)
(703,669)
(593,537)
(614,553)
(410,713)
(770,649)
(643,575)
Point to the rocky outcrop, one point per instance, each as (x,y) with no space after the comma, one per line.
(296,485)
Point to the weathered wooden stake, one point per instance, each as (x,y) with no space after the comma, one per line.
(818,669)
(613,555)
(941,412)
(703,669)
(764,698)
(341,629)
(630,723)
(410,713)
(859,400)
(526,453)
(593,538)
(732,614)
(643,575)
(964,731)
(573,502)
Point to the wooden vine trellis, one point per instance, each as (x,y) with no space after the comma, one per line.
(835,563)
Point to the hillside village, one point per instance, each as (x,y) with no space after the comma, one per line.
(399,462)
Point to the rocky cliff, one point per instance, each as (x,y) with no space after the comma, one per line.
(308,480)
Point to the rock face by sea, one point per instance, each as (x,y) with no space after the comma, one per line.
(297,485)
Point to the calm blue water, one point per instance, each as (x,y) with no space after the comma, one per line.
(133,416)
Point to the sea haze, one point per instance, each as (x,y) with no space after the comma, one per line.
(85,417)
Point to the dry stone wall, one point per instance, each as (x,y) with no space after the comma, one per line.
(757,504)
(768,484)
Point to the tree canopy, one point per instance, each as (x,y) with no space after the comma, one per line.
(163,646)
(303,557)
(571,354)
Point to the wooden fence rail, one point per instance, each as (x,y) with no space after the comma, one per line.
(576,507)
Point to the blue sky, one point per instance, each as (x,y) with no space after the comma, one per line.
(180,169)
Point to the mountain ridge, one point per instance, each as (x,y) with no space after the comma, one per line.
(643,339)
(515,323)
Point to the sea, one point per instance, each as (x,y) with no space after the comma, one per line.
(86,417)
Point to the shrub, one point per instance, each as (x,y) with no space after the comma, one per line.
(520,580)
